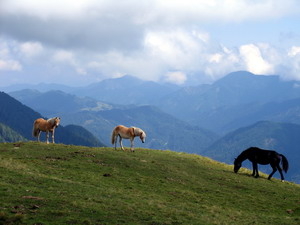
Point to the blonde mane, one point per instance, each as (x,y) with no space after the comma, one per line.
(51,121)
(54,121)
(138,131)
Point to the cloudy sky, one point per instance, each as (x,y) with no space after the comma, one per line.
(78,42)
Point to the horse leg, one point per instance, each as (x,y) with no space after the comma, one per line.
(121,143)
(280,171)
(132,144)
(53,137)
(115,141)
(47,137)
(255,170)
(38,136)
(274,170)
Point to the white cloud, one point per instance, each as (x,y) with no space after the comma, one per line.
(254,61)
(222,11)
(81,71)
(47,8)
(7,63)
(178,49)
(64,56)
(31,49)
(69,59)
(10,65)
(150,11)
(295,50)
(108,25)
(215,58)
(148,39)
(177,77)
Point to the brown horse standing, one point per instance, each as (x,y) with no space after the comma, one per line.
(127,133)
(47,126)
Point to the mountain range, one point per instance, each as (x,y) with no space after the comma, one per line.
(124,90)
(217,120)
(238,99)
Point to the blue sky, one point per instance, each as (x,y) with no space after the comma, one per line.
(183,42)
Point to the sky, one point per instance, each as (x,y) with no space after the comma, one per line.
(185,42)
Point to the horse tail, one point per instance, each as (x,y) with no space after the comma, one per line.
(35,130)
(113,136)
(285,163)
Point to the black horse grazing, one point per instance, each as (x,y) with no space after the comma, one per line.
(264,157)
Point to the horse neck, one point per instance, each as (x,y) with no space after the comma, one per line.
(137,131)
(51,122)
(242,157)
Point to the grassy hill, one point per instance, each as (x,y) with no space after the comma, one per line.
(62,184)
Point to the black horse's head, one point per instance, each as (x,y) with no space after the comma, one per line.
(237,165)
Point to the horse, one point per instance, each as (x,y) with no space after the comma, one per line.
(47,126)
(127,133)
(263,157)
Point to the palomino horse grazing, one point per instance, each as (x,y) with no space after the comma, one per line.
(47,126)
(127,133)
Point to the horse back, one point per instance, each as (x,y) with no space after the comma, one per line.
(38,122)
(41,124)
(262,156)
(124,132)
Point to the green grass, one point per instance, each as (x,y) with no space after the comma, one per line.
(61,184)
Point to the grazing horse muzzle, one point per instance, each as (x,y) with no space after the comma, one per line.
(143,137)
(237,166)
(236,169)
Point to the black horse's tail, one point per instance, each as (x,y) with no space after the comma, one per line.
(284,162)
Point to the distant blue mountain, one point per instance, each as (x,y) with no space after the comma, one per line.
(126,90)
(235,100)
(43,87)
(52,103)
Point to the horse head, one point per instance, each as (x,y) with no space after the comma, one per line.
(56,121)
(143,136)
(139,132)
(237,165)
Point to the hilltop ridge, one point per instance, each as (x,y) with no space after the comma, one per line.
(81,185)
